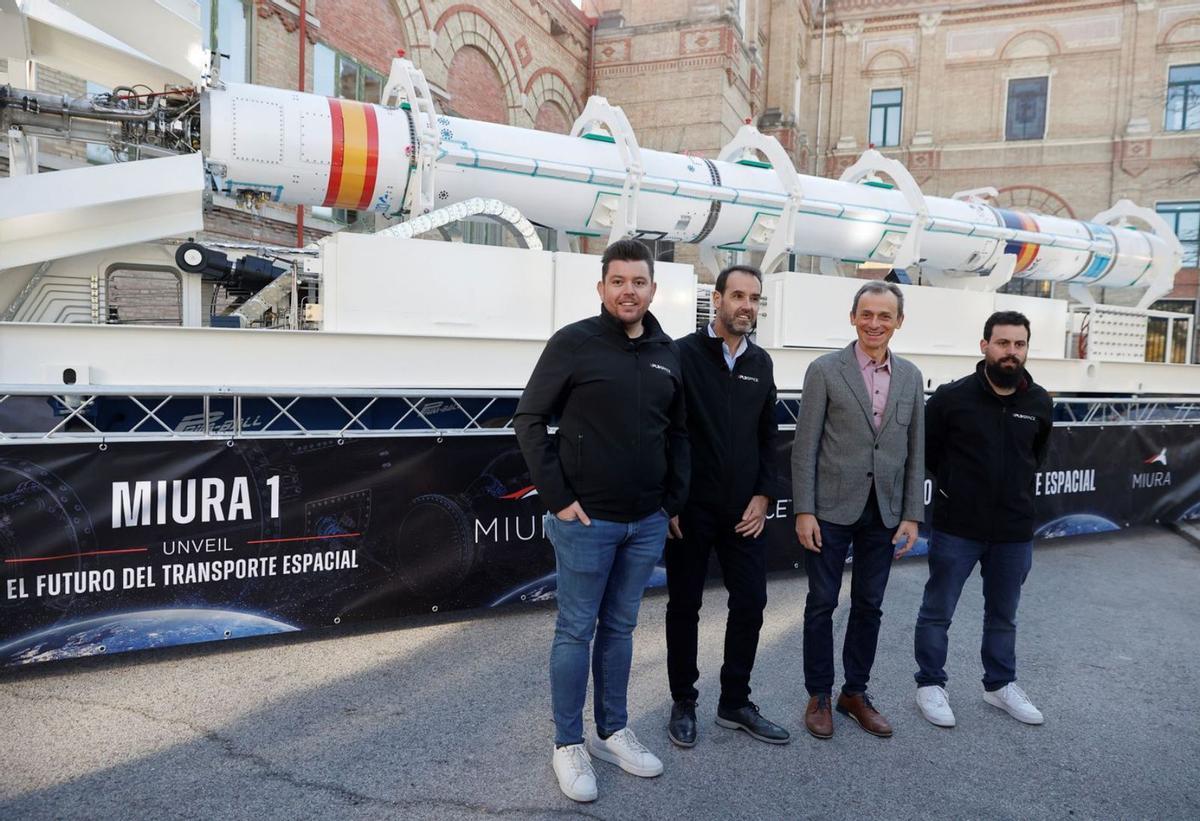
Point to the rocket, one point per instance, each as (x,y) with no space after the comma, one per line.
(262,143)
(304,149)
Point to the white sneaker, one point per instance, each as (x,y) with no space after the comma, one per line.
(1012,699)
(623,749)
(935,706)
(573,768)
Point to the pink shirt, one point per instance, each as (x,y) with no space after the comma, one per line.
(878,379)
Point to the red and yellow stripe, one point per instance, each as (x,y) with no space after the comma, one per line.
(1025,252)
(354,157)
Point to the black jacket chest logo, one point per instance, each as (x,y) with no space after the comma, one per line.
(747,378)
(663,368)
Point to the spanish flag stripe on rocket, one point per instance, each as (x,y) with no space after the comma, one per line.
(372,157)
(354,157)
(338,152)
(1025,252)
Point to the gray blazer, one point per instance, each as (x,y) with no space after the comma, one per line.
(837,453)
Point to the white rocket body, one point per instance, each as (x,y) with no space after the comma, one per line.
(304,149)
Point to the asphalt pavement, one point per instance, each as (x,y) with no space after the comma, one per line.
(449,717)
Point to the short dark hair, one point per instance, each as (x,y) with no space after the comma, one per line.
(723,277)
(1005,318)
(876,286)
(626,250)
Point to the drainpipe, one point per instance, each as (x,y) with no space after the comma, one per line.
(300,88)
(591,83)
(820,93)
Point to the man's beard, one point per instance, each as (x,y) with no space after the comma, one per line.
(732,325)
(1003,377)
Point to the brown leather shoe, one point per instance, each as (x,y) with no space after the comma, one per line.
(818,718)
(860,708)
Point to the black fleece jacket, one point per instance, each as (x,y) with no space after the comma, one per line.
(621,449)
(731,423)
(985,451)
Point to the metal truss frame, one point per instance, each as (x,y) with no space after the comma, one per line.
(223,414)
(1078,411)
(109,414)
(1127,411)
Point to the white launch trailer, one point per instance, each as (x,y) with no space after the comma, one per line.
(400,312)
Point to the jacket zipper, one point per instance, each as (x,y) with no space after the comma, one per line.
(998,491)
(637,372)
(728,421)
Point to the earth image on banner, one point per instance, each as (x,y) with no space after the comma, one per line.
(1075,524)
(141,630)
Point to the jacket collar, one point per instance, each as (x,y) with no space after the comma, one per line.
(713,343)
(651,330)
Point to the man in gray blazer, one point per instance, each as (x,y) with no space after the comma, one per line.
(858,476)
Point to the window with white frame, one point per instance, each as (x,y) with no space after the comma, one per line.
(1025,114)
(1183,98)
(885,116)
(226,24)
(1184,220)
(337,75)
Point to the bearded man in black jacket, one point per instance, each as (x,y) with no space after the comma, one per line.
(730,387)
(612,477)
(985,437)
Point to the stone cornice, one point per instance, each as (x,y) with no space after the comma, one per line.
(897,19)
(658,66)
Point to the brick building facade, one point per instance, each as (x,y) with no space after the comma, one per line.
(1061,107)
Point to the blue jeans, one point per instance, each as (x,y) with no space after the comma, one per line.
(602,573)
(873,553)
(1003,566)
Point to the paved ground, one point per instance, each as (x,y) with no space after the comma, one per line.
(450,719)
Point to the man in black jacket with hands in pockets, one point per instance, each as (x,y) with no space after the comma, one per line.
(730,387)
(612,477)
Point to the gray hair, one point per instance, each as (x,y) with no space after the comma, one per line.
(876,286)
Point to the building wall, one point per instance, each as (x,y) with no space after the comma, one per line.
(685,72)
(1107,64)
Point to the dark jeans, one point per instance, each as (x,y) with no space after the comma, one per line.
(1003,566)
(873,552)
(743,566)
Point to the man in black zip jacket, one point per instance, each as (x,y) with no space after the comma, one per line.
(730,387)
(612,477)
(985,437)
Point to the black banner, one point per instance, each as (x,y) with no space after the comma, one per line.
(138,545)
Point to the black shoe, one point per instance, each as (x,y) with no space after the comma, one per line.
(747,718)
(682,727)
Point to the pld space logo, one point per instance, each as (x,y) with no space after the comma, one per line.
(1153,478)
